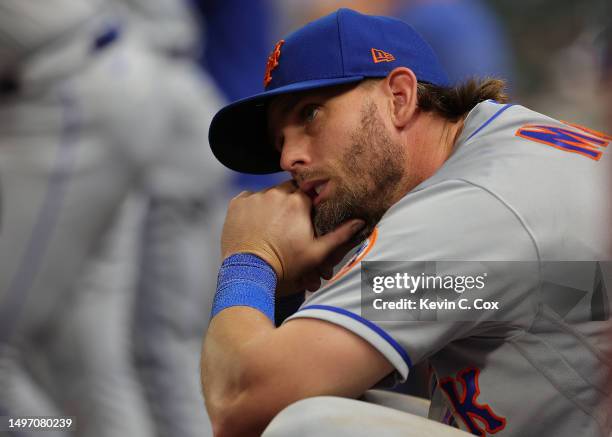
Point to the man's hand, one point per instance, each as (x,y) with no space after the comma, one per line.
(276,225)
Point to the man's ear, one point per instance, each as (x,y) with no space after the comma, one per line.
(401,86)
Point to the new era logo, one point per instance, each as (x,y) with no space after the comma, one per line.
(381,56)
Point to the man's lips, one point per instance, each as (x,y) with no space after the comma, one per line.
(315,189)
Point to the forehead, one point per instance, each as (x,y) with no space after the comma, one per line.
(281,106)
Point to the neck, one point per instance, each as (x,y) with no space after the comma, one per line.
(429,145)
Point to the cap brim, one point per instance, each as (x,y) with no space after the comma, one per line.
(238,132)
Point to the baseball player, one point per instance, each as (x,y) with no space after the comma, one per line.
(382,149)
(83,123)
(68,157)
(184,191)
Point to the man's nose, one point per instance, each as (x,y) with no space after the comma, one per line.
(295,152)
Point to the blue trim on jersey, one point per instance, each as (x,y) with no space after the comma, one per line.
(486,123)
(369,324)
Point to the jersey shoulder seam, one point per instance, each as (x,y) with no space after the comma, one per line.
(499,199)
(516,214)
(507,206)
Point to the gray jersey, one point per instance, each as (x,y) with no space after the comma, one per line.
(519,186)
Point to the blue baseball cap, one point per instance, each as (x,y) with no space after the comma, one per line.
(341,48)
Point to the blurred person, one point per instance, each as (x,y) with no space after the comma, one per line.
(83,122)
(237,67)
(185,195)
(72,88)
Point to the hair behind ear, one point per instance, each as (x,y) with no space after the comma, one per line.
(454,102)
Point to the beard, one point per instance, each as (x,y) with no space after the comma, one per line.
(369,174)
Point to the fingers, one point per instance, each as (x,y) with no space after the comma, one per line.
(340,252)
(312,281)
(332,248)
(328,243)
(326,269)
(242,194)
(288,186)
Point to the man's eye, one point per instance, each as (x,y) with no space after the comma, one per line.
(309,112)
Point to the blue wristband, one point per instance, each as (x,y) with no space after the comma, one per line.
(245,280)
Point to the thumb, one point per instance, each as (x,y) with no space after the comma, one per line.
(343,233)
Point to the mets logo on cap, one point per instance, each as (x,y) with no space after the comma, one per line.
(272,62)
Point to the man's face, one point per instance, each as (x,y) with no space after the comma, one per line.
(339,151)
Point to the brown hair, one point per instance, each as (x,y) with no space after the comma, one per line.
(455,102)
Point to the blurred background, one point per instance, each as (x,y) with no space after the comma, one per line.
(112,204)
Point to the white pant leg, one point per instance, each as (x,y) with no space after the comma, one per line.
(69,154)
(96,378)
(179,258)
(340,417)
(22,395)
(170,315)
(83,364)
